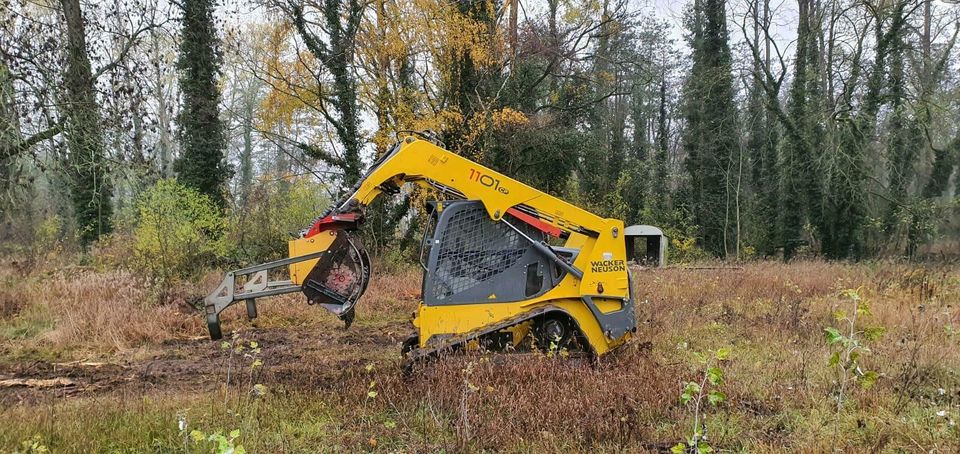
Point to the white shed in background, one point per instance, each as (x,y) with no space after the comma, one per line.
(646,245)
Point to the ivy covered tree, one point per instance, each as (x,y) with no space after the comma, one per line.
(762,142)
(201,164)
(85,166)
(801,197)
(333,45)
(710,138)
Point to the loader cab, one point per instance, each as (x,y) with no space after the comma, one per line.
(468,258)
(646,245)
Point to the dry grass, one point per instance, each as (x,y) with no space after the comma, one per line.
(781,391)
(76,312)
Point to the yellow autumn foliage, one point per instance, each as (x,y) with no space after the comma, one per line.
(430,36)
(290,75)
(507,117)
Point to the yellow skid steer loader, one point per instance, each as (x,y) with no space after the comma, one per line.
(503,262)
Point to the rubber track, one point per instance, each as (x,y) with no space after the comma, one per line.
(420,354)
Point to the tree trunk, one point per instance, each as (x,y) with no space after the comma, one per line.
(513,29)
(165,143)
(246,154)
(9,131)
(89,183)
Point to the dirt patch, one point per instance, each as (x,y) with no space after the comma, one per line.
(81,379)
(58,382)
(308,358)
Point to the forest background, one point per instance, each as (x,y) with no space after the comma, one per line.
(745,129)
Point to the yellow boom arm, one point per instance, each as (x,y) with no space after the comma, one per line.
(602,258)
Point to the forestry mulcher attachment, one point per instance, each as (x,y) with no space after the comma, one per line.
(503,262)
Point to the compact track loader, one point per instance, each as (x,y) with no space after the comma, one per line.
(503,262)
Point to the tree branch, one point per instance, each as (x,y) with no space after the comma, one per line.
(16,148)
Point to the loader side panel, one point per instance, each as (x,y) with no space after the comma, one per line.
(439,324)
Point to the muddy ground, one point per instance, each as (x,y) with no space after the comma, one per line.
(304,358)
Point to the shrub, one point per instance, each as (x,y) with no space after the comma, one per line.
(272,215)
(115,251)
(178,231)
(47,244)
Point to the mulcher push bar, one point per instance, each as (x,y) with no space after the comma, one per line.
(345,262)
(257,286)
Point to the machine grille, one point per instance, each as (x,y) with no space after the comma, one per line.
(474,249)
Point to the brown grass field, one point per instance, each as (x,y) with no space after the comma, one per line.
(90,363)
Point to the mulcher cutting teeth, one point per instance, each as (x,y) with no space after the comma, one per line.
(340,277)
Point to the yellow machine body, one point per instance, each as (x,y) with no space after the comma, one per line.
(602,257)
(432,321)
(305,246)
(589,287)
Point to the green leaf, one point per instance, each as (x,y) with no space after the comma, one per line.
(196,435)
(223,445)
(716,397)
(389,424)
(723,354)
(371,394)
(690,390)
(256,363)
(678,448)
(239,450)
(834,359)
(703,448)
(700,358)
(833,335)
(715,376)
(854,357)
(874,333)
(868,379)
(254,344)
(234,433)
(852,293)
(863,308)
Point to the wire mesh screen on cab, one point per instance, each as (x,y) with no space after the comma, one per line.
(474,249)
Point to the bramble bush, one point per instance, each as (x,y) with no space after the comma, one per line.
(272,214)
(178,231)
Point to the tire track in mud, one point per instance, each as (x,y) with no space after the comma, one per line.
(306,357)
